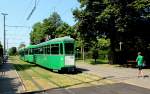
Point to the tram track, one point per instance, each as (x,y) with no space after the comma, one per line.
(28,77)
(49,77)
(80,81)
(45,77)
(51,81)
(59,86)
(62,87)
(31,79)
(89,82)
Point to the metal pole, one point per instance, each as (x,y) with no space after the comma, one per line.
(120,43)
(4,14)
(7,45)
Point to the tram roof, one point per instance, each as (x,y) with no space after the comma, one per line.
(62,39)
(20,49)
(31,46)
(57,40)
(53,41)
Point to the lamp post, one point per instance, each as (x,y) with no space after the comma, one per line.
(4,14)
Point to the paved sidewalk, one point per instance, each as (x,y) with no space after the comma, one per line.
(119,74)
(9,80)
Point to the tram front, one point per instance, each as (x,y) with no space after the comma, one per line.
(70,56)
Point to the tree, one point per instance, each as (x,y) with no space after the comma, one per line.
(1,53)
(103,43)
(22,45)
(86,17)
(62,30)
(95,54)
(127,22)
(36,35)
(50,28)
(51,23)
(116,19)
(12,51)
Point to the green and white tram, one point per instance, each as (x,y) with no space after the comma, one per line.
(29,55)
(55,54)
(21,53)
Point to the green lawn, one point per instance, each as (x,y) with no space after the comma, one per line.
(92,61)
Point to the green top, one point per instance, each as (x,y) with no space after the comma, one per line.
(139,60)
(65,39)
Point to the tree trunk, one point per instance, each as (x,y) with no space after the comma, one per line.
(95,60)
(83,55)
(112,45)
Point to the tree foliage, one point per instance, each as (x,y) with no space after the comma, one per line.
(50,28)
(22,45)
(12,51)
(103,43)
(1,50)
(117,20)
(95,54)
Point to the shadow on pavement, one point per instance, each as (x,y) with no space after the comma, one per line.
(117,88)
(108,77)
(146,76)
(22,67)
(7,83)
(75,71)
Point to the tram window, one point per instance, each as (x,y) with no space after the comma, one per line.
(37,50)
(41,50)
(61,48)
(48,49)
(69,48)
(25,52)
(45,49)
(30,51)
(55,49)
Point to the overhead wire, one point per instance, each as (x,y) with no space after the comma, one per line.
(15,35)
(33,9)
(25,12)
(18,26)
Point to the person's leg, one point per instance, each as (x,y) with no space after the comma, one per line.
(139,71)
(142,74)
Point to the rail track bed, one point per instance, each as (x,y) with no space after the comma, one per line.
(36,78)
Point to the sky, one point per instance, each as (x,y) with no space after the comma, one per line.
(19,10)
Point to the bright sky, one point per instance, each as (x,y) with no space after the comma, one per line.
(18,11)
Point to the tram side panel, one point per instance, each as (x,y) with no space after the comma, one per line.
(53,62)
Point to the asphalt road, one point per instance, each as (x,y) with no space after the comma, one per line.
(116,88)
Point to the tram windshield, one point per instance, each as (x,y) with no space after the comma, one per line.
(69,48)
